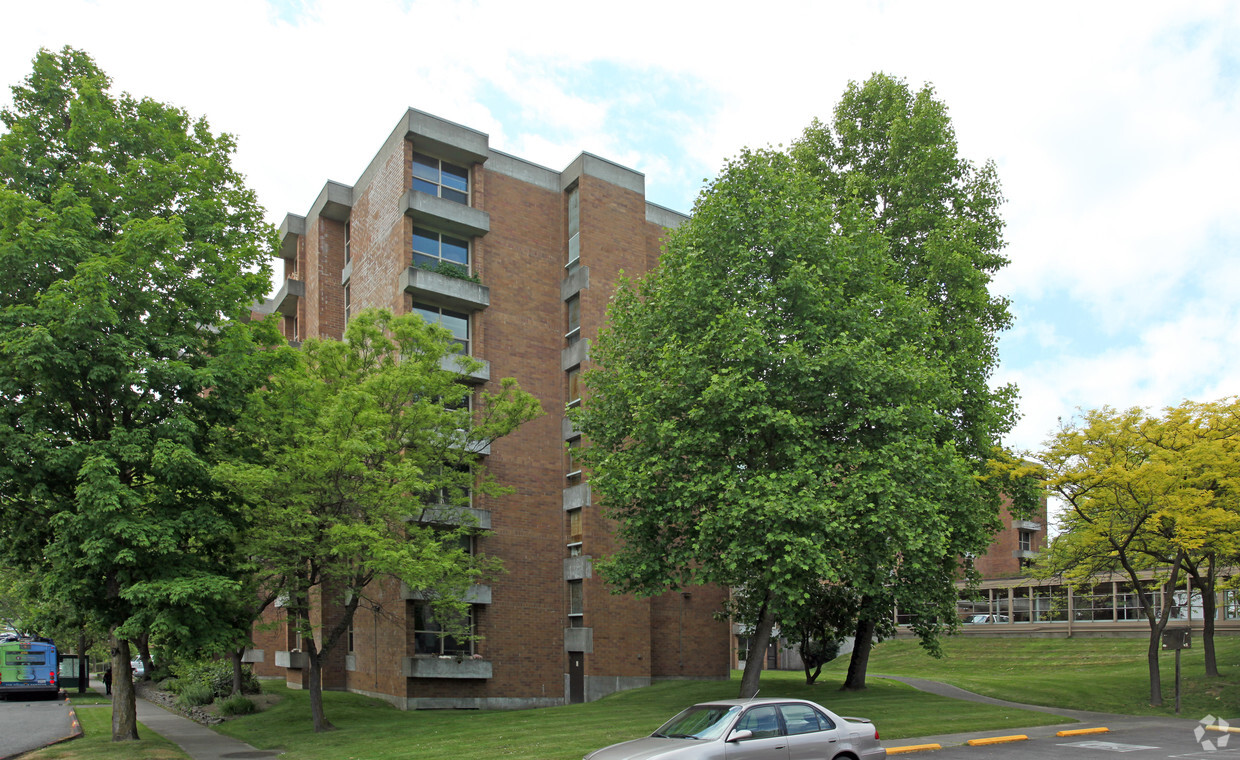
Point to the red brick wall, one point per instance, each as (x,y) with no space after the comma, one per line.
(999,560)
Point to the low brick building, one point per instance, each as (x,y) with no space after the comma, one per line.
(519,261)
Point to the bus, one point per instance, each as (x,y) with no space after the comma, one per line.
(28,665)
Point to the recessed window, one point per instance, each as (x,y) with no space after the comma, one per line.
(574,386)
(348,241)
(574,525)
(576,604)
(456,322)
(574,231)
(433,249)
(573,332)
(351,637)
(429,638)
(348,301)
(440,178)
(574,466)
(1024,540)
(455,487)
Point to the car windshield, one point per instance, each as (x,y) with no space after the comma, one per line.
(699,722)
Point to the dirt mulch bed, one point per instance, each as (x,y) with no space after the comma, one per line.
(208,715)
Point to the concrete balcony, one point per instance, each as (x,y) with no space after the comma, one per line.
(578,568)
(441,290)
(577,496)
(286,300)
(445,215)
(1026,525)
(477,594)
(448,514)
(575,354)
(445,667)
(292,660)
(471,376)
(579,640)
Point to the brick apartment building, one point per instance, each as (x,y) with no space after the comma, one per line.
(541,251)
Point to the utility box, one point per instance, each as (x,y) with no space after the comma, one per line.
(1177,638)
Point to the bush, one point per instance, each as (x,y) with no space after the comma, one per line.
(236,705)
(216,675)
(194,694)
(169,684)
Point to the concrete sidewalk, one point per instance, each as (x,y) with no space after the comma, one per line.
(198,741)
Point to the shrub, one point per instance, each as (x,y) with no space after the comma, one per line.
(236,705)
(169,684)
(194,694)
(216,675)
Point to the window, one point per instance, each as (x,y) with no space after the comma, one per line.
(429,638)
(763,721)
(1231,605)
(456,322)
(574,386)
(803,719)
(574,467)
(574,524)
(574,231)
(348,301)
(290,328)
(1024,540)
(433,249)
(576,615)
(348,236)
(454,488)
(573,333)
(440,178)
(351,637)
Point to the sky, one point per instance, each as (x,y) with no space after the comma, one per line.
(1115,127)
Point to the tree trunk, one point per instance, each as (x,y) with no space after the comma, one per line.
(144,654)
(314,674)
(235,656)
(860,660)
(1151,656)
(1209,610)
(757,649)
(124,704)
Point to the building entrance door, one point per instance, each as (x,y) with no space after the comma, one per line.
(576,677)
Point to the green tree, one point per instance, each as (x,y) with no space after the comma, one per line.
(360,453)
(894,150)
(130,250)
(1146,495)
(764,410)
(799,394)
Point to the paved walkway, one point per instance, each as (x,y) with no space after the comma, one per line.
(198,741)
(1075,718)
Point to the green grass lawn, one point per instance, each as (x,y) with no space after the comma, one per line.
(96,741)
(1104,675)
(373,729)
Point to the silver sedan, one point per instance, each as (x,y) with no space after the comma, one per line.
(740,729)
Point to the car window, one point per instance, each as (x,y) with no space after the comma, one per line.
(699,721)
(763,721)
(803,719)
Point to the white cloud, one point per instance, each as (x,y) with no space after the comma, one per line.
(1115,127)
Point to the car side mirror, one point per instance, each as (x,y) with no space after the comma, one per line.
(740,735)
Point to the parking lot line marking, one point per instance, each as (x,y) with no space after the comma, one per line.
(1082,731)
(997,740)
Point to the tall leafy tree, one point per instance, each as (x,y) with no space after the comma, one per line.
(765,406)
(130,249)
(894,149)
(800,393)
(347,444)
